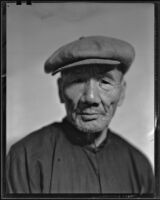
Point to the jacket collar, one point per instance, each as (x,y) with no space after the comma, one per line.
(77,137)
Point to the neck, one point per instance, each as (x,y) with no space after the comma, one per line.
(99,140)
(81,138)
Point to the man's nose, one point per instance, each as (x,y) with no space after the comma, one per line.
(91,92)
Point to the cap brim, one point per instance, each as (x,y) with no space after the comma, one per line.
(88,62)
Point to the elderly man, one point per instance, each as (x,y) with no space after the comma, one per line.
(81,154)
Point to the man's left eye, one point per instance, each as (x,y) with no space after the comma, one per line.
(105,82)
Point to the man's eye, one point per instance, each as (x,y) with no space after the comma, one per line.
(78,80)
(105,82)
(106,85)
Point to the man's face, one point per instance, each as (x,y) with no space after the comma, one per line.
(91,96)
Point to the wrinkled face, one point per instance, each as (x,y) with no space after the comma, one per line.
(91,96)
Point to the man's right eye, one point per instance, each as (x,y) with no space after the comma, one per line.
(78,80)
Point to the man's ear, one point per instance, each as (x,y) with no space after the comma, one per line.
(122,94)
(60,89)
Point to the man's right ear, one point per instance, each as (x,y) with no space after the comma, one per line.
(60,89)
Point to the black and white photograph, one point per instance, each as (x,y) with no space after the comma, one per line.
(80,106)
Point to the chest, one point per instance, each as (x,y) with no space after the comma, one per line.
(79,170)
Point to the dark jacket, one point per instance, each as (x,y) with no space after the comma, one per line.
(55,159)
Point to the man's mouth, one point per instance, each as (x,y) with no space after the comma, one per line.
(88,116)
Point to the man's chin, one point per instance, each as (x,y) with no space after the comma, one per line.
(89,127)
(89,134)
(89,130)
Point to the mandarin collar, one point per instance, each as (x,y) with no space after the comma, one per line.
(77,137)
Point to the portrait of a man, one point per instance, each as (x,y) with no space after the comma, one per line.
(81,152)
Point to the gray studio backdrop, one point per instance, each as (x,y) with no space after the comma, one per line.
(35,31)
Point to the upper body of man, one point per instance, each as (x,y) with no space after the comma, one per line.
(81,154)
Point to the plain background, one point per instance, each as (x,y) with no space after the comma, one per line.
(35,31)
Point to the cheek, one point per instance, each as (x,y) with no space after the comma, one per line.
(110,99)
(72,95)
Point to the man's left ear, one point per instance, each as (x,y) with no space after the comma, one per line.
(122,94)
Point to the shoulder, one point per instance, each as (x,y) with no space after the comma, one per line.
(134,162)
(38,141)
(129,151)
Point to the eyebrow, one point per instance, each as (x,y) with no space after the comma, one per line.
(107,75)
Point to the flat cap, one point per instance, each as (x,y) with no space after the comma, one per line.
(91,50)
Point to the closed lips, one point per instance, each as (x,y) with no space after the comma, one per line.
(88,113)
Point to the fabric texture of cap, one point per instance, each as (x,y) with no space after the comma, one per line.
(91,50)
